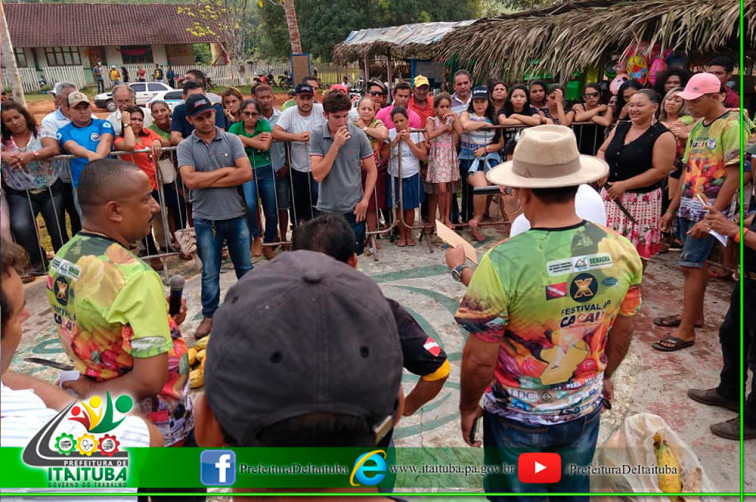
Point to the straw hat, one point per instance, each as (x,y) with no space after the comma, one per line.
(547,156)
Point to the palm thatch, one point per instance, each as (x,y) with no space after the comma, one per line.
(410,40)
(575,35)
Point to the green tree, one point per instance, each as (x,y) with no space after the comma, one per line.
(221,19)
(325,23)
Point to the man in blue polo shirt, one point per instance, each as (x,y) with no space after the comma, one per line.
(181,127)
(86,137)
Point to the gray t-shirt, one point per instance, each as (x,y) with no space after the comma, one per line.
(341,189)
(292,122)
(223,151)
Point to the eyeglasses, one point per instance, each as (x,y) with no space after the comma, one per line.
(591,94)
(376,93)
(250,114)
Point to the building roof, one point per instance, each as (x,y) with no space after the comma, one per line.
(403,41)
(574,35)
(80,24)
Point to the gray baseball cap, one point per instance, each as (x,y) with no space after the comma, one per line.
(302,334)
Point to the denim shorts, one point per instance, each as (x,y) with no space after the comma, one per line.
(695,252)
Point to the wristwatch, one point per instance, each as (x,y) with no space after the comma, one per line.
(36,155)
(364,129)
(456,272)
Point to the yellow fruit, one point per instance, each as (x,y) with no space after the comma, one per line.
(196,378)
(668,483)
(202,343)
(200,355)
(192,355)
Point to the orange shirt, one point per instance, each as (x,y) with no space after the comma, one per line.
(143,160)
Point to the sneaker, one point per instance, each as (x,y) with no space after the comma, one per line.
(204,328)
(257,247)
(712,398)
(731,430)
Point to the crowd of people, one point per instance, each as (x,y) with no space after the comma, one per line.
(121,76)
(592,180)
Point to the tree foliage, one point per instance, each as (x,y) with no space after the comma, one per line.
(325,23)
(222,19)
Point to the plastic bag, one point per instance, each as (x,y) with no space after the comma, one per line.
(633,445)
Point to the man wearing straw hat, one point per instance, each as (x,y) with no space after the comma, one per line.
(550,314)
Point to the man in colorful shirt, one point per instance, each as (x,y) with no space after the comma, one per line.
(110,307)
(711,176)
(550,315)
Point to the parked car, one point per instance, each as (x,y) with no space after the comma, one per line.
(144,91)
(171,98)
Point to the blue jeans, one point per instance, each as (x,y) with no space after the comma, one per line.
(504,440)
(359,231)
(211,235)
(265,183)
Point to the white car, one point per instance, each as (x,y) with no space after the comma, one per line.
(171,98)
(144,91)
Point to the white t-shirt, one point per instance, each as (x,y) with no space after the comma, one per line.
(293,122)
(410,163)
(23,414)
(115,120)
(588,205)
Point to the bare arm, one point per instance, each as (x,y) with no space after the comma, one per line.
(471,125)
(601,154)
(237,175)
(146,379)
(103,147)
(53,396)
(129,139)
(478,364)
(617,343)
(50,148)
(583,115)
(663,159)
(730,185)
(280,135)
(431,131)
(176,138)
(76,149)
(422,393)
(516,119)
(257,142)
(419,150)
(196,179)
(606,119)
(378,132)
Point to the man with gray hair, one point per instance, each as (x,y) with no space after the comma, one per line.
(124,96)
(52,122)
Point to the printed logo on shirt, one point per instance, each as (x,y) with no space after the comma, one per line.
(583,288)
(431,346)
(89,458)
(559,267)
(95,136)
(711,143)
(590,262)
(610,282)
(66,268)
(60,289)
(554,291)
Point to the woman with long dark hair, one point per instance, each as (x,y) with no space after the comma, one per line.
(31,183)
(624,94)
(555,112)
(479,151)
(640,154)
(499,92)
(590,136)
(537,94)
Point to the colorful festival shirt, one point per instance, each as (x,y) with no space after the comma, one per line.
(110,308)
(709,149)
(549,298)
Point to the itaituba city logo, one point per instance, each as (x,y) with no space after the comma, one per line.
(85,456)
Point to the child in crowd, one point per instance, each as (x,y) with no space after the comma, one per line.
(409,149)
(442,131)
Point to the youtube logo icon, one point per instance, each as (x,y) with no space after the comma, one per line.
(539,467)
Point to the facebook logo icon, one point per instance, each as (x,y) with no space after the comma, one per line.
(218,467)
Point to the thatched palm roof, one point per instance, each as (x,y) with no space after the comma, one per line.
(574,36)
(409,40)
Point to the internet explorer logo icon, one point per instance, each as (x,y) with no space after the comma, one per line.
(218,467)
(372,462)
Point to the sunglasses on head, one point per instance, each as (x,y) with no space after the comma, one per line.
(591,94)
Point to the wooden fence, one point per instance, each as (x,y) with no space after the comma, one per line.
(30,77)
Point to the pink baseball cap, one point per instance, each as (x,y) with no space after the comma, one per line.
(340,87)
(700,84)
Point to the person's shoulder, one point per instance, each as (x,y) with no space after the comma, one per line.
(236,128)
(318,133)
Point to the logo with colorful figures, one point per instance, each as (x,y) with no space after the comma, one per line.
(79,447)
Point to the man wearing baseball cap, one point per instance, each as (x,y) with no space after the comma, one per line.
(294,126)
(328,376)
(710,176)
(420,102)
(213,165)
(86,137)
(550,316)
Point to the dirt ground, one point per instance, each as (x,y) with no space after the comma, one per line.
(39,106)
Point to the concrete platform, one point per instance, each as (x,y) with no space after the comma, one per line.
(647,381)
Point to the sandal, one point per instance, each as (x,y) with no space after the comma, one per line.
(401,242)
(676,344)
(411,242)
(671,321)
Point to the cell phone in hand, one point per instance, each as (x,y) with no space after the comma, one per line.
(474,430)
